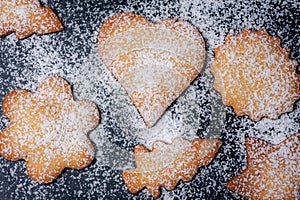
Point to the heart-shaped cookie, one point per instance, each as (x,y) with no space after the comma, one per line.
(155,62)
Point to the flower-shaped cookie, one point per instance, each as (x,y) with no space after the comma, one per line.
(166,164)
(48,129)
(154,62)
(273,171)
(26,17)
(255,75)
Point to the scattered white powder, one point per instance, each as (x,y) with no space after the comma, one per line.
(253,74)
(27,17)
(72,54)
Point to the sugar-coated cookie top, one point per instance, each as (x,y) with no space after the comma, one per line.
(48,129)
(272,172)
(255,75)
(155,62)
(167,164)
(26,17)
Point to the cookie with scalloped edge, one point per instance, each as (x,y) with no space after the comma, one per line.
(154,61)
(25,17)
(166,164)
(255,75)
(48,129)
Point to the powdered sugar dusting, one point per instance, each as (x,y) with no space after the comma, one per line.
(73,55)
(166,164)
(149,64)
(26,18)
(48,129)
(255,76)
(272,171)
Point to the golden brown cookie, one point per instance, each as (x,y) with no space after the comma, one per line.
(273,171)
(255,75)
(155,62)
(166,164)
(26,17)
(48,129)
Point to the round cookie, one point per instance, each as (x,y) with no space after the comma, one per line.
(255,75)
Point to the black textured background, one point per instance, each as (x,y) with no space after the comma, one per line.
(82,20)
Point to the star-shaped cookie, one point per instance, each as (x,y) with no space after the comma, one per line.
(273,171)
(48,129)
